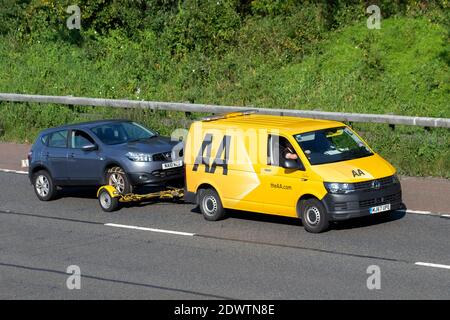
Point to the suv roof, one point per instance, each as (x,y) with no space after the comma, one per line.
(87,125)
(290,125)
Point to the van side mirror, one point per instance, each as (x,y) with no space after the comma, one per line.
(292,164)
(89,147)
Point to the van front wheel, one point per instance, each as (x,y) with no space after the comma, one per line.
(314,216)
(210,205)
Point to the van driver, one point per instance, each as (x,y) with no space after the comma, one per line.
(288,152)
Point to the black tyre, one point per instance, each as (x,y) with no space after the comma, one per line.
(314,216)
(44,186)
(107,203)
(210,205)
(116,177)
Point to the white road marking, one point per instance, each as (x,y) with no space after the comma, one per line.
(25,163)
(14,171)
(149,229)
(419,211)
(433,265)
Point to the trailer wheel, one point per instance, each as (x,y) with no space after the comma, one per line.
(108,203)
(210,205)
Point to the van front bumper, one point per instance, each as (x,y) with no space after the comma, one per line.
(358,203)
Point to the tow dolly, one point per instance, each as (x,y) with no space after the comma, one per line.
(110,199)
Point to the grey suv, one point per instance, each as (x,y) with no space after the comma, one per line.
(117,152)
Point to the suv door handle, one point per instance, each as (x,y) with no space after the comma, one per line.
(72,155)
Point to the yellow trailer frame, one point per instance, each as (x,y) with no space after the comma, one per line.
(110,199)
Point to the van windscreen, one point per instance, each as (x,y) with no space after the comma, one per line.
(332,145)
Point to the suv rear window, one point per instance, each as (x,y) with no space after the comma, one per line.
(58,139)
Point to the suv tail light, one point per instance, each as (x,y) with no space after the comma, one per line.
(30,153)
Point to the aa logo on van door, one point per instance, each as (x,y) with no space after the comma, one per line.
(218,161)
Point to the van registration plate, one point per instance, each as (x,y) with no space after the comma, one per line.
(174,164)
(382,208)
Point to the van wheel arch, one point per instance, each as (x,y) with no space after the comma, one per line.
(204,186)
(301,200)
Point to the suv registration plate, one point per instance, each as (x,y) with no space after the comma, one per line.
(174,164)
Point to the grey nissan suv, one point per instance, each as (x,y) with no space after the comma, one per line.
(117,152)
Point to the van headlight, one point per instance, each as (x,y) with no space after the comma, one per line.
(337,187)
(139,157)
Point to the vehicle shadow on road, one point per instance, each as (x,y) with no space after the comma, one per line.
(77,192)
(368,221)
(362,222)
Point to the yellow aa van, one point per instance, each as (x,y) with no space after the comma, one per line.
(316,170)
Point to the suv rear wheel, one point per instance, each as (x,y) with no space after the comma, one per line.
(44,187)
(117,178)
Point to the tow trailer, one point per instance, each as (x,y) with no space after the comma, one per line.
(110,199)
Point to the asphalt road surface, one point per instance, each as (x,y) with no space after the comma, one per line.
(175,254)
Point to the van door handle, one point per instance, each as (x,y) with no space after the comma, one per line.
(72,155)
(267,170)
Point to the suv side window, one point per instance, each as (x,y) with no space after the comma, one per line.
(80,139)
(44,139)
(277,148)
(58,139)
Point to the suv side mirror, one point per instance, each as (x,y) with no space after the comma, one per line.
(89,147)
(292,164)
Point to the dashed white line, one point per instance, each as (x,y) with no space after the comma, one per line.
(418,212)
(433,265)
(14,171)
(149,229)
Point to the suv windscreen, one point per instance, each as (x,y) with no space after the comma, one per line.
(122,132)
(332,145)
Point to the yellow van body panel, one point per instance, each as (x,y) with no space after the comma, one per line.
(248,182)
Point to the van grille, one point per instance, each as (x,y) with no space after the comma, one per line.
(367,185)
(396,197)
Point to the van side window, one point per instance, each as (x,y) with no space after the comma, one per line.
(279,148)
(58,139)
(80,139)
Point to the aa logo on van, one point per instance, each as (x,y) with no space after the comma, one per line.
(358,173)
(221,159)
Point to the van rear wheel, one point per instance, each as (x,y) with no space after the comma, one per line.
(314,216)
(210,205)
